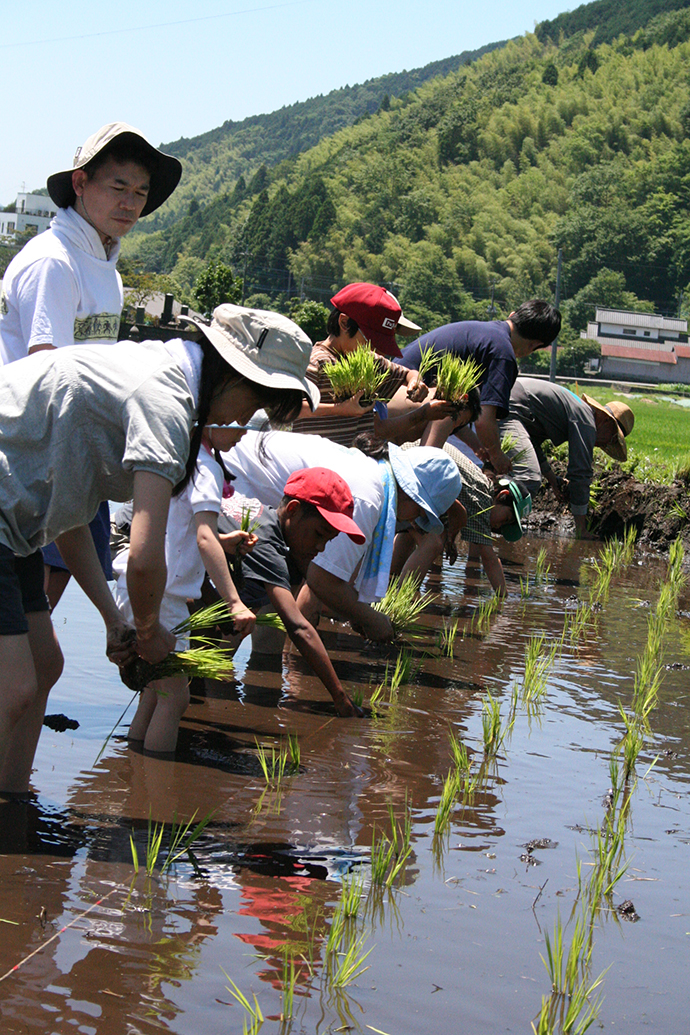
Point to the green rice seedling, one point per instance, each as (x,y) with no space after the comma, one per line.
(492,731)
(447,802)
(394,677)
(456,377)
(481,619)
(357,697)
(351,896)
(679,511)
(336,929)
(509,446)
(390,854)
(359,371)
(428,359)
(575,623)
(289,980)
(632,742)
(294,752)
(629,541)
(273,762)
(565,970)
(447,637)
(538,664)
(460,757)
(350,964)
(524,587)
(403,604)
(182,837)
(541,569)
(251,1012)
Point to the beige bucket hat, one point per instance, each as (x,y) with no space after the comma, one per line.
(621,417)
(263,346)
(165,169)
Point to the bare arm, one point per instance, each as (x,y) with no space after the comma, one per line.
(348,408)
(408,427)
(488,433)
(146,570)
(310,646)
(342,597)
(216,564)
(79,554)
(493,568)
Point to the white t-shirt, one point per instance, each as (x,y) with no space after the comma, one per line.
(264,476)
(183,560)
(60,290)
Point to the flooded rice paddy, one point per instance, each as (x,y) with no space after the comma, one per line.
(455,942)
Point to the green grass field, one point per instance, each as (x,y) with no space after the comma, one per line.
(660,441)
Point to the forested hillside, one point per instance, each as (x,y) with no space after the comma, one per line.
(472,183)
(214,160)
(608,18)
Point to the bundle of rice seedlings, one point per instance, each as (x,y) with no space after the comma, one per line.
(428,359)
(206,657)
(456,377)
(509,446)
(357,372)
(403,603)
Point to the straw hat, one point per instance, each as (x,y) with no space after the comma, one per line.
(165,169)
(621,418)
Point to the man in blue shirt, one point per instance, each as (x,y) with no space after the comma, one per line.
(496,346)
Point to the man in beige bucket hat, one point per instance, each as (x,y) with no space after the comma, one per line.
(63,288)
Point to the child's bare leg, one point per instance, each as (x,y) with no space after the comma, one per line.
(148,699)
(172,702)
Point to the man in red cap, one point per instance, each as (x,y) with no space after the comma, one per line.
(316,507)
(365,313)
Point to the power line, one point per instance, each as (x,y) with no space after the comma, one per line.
(158,25)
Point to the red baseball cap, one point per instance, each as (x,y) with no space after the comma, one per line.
(331,496)
(376,312)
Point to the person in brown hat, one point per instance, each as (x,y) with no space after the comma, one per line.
(63,288)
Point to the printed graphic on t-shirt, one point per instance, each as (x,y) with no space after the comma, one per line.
(4,310)
(98,327)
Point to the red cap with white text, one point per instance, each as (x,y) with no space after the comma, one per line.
(375,311)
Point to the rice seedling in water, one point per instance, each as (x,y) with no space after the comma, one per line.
(403,604)
(359,371)
(538,664)
(394,678)
(389,854)
(524,587)
(447,637)
(289,981)
(350,964)
(351,895)
(541,569)
(456,377)
(447,802)
(460,757)
(575,623)
(253,1012)
(481,619)
(182,837)
(564,970)
(492,731)
(275,761)
(629,540)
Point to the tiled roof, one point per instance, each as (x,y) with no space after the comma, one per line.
(643,354)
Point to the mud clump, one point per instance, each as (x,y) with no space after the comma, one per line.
(659,513)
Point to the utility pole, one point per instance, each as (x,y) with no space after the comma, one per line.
(245,255)
(492,308)
(554,346)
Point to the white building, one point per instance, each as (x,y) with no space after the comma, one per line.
(33,211)
(641,346)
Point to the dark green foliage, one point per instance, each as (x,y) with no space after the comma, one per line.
(458,134)
(214,286)
(609,19)
(550,75)
(310,316)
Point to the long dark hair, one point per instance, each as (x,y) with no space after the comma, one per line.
(282,404)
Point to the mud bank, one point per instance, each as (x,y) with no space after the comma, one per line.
(660,513)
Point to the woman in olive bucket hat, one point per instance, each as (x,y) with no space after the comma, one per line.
(130,424)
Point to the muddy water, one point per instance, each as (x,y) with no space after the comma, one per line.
(456,945)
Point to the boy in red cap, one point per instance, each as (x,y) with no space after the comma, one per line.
(365,313)
(316,507)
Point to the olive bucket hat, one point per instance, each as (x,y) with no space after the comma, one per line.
(265,347)
(164,169)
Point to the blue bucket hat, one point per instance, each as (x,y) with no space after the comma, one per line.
(522,506)
(429,477)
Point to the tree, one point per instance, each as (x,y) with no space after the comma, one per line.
(214,286)
(310,316)
(550,75)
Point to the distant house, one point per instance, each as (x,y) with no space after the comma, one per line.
(33,212)
(641,346)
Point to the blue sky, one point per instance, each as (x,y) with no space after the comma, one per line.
(177,68)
